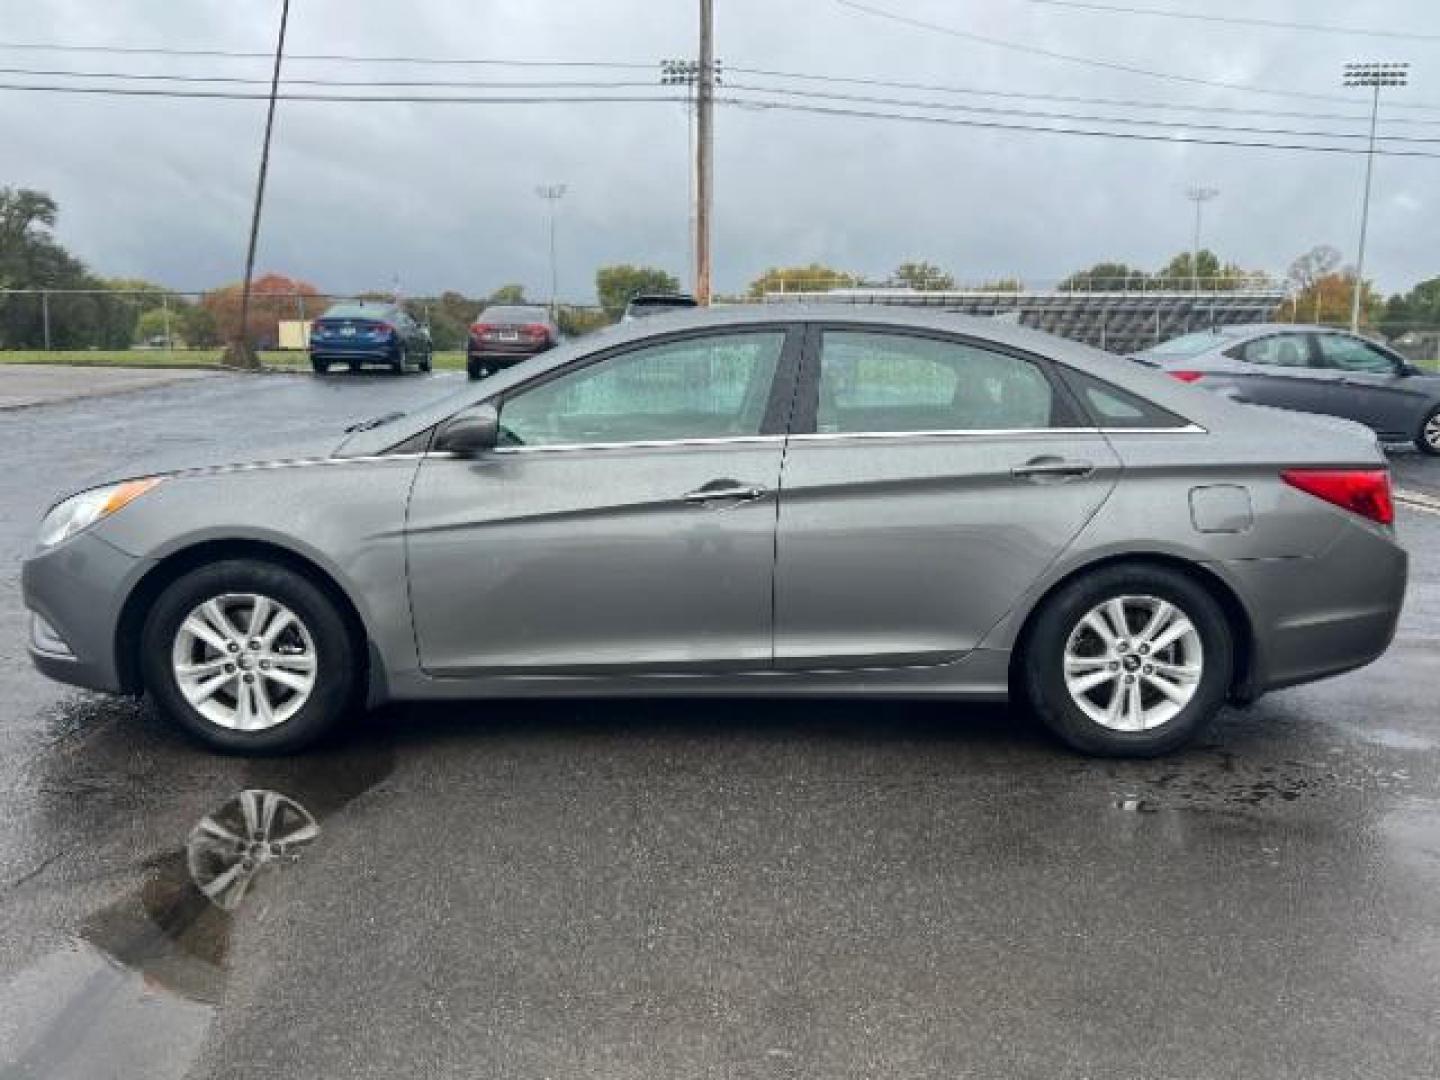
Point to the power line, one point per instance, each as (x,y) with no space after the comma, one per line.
(996,125)
(577,85)
(1084,117)
(342,58)
(546,84)
(1088,61)
(402,99)
(1239,20)
(942,88)
(522,84)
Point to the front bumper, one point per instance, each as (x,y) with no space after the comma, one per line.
(78,589)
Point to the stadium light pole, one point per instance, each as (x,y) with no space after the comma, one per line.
(552,194)
(240,354)
(1373,75)
(1199,196)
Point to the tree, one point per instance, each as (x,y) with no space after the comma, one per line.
(1417,309)
(813,277)
(30,258)
(616,284)
(1106,277)
(273,297)
(1307,269)
(923,276)
(508,294)
(576,321)
(1008,284)
(1327,300)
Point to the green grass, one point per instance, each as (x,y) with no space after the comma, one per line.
(184,358)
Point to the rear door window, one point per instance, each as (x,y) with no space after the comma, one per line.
(891,382)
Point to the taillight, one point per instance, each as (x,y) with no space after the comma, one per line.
(480,329)
(317,327)
(383,328)
(1187,376)
(1362,491)
(537,330)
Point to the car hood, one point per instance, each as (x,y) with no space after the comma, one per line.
(186,458)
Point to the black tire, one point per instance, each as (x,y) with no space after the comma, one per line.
(321,367)
(1042,681)
(427,362)
(473,368)
(1427,439)
(399,361)
(336,654)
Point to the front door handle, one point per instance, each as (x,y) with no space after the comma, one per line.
(724,491)
(1048,468)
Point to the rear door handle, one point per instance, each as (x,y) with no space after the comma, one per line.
(1052,468)
(724,491)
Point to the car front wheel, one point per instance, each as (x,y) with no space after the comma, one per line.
(1428,441)
(1129,661)
(249,656)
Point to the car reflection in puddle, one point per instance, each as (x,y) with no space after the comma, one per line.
(137,992)
(92,1010)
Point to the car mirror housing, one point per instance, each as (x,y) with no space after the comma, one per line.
(471,432)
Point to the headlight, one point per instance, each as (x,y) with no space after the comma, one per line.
(83,510)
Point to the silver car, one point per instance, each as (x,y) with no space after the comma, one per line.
(1313,369)
(763,501)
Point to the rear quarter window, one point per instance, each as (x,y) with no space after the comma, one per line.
(1111,407)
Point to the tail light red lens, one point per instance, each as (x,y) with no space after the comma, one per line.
(480,329)
(1187,376)
(383,328)
(1362,491)
(537,330)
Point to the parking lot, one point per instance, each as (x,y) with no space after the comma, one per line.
(676,889)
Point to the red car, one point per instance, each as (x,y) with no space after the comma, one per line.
(504,335)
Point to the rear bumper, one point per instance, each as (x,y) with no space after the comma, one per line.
(497,360)
(79,589)
(1321,616)
(355,352)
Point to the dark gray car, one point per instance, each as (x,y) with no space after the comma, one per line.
(1313,369)
(751,501)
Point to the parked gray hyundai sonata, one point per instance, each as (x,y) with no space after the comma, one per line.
(757,501)
(1313,369)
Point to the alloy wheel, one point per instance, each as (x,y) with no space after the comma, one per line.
(1431,434)
(244,661)
(1133,662)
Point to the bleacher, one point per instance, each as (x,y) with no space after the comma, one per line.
(1119,320)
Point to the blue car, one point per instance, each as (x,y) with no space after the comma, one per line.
(359,333)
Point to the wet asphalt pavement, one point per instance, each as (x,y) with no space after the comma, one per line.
(683,889)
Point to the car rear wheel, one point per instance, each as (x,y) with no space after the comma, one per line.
(321,367)
(475,369)
(427,361)
(1428,441)
(400,361)
(1129,661)
(249,656)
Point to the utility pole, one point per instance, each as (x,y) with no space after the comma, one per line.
(1199,196)
(552,194)
(1373,75)
(704,145)
(240,354)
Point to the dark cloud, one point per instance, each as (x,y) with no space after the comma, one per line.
(442,196)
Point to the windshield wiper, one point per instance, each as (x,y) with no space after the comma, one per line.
(373,422)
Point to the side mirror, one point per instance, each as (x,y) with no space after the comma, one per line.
(471,432)
(1407,368)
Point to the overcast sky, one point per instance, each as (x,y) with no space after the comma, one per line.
(442,196)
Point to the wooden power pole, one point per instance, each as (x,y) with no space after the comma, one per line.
(704,109)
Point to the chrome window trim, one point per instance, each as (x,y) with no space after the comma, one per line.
(763,440)
(642,444)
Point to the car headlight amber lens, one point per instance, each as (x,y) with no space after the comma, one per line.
(83,510)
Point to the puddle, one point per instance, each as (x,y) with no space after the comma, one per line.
(136,992)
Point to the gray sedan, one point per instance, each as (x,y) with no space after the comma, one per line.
(1313,369)
(763,501)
